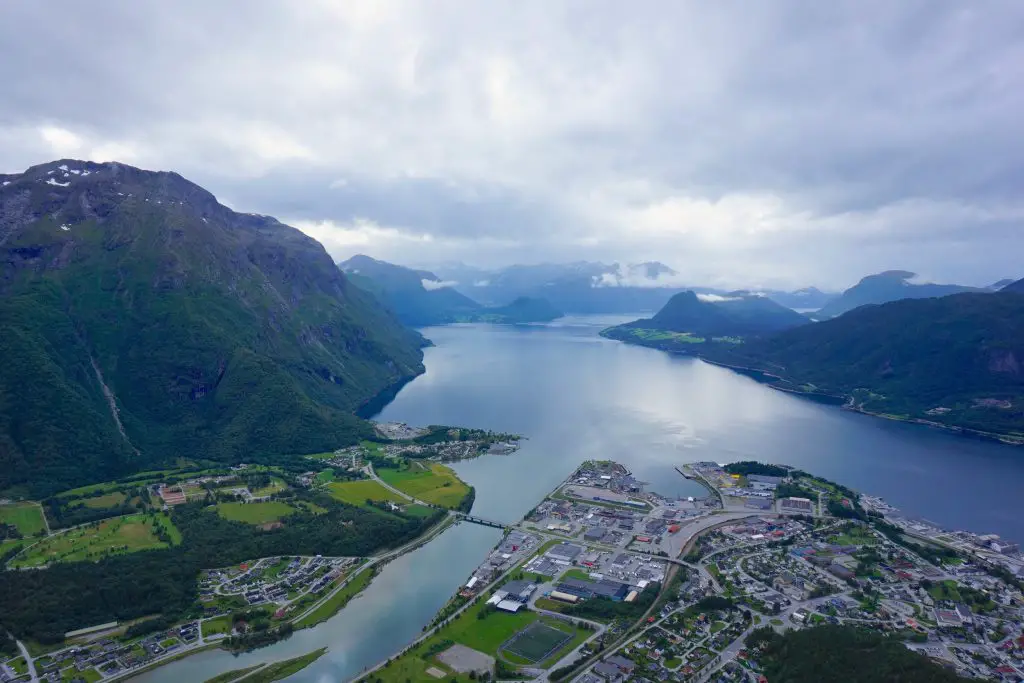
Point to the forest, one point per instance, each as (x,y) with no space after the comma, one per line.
(754,467)
(816,654)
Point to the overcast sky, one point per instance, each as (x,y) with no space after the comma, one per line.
(742,143)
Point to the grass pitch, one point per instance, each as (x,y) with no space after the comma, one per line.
(536,642)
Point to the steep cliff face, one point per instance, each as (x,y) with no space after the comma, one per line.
(144,321)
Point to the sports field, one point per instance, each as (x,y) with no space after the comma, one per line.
(26,517)
(117,536)
(430,482)
(536,642)
(255,513)
(358,492)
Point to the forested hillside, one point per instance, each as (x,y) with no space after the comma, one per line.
(956,361)
(143,321)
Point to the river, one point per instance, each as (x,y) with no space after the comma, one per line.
(577,396)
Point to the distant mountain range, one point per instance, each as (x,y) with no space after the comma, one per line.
(420,298)
(955,361)
(892,285)
(145,322)
(586,287)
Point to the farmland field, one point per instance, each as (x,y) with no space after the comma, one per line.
(357,492)
(254,513)
(429,482)
(117,536)
(26,517)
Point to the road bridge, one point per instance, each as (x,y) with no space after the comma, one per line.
(482,521)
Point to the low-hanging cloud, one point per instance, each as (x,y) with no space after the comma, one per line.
(796,148)
(640,275)
(431,285)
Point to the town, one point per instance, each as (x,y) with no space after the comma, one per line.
(604,581)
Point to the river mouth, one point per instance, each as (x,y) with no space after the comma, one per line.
(576,396)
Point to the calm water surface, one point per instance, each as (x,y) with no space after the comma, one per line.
(578,396)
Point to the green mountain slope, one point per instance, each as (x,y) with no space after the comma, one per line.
(956,361)
(418,297)
(144,322)
(891,285)
(736,315)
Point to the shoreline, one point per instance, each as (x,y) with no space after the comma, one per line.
(842,401)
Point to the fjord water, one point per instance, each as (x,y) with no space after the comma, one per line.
(577,396)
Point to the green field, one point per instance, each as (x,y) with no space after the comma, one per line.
(576,573)
(26,517)
(536,641)
(487,635)
(117,536)
(325,476)
(217,625)
(275,486)
(358,492)
(255,513)
(418,511)
(430,482)
(272,572)
(311,507)
(664,335)
(107,500)
(89,675)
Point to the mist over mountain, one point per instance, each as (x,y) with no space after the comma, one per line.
(418,297)
(421,298)
(585,287)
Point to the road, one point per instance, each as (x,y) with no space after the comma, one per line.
(373,475)
(28,661)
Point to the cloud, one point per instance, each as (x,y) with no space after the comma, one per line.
(636,275)
(715,298)
(765,145)
(431,285)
